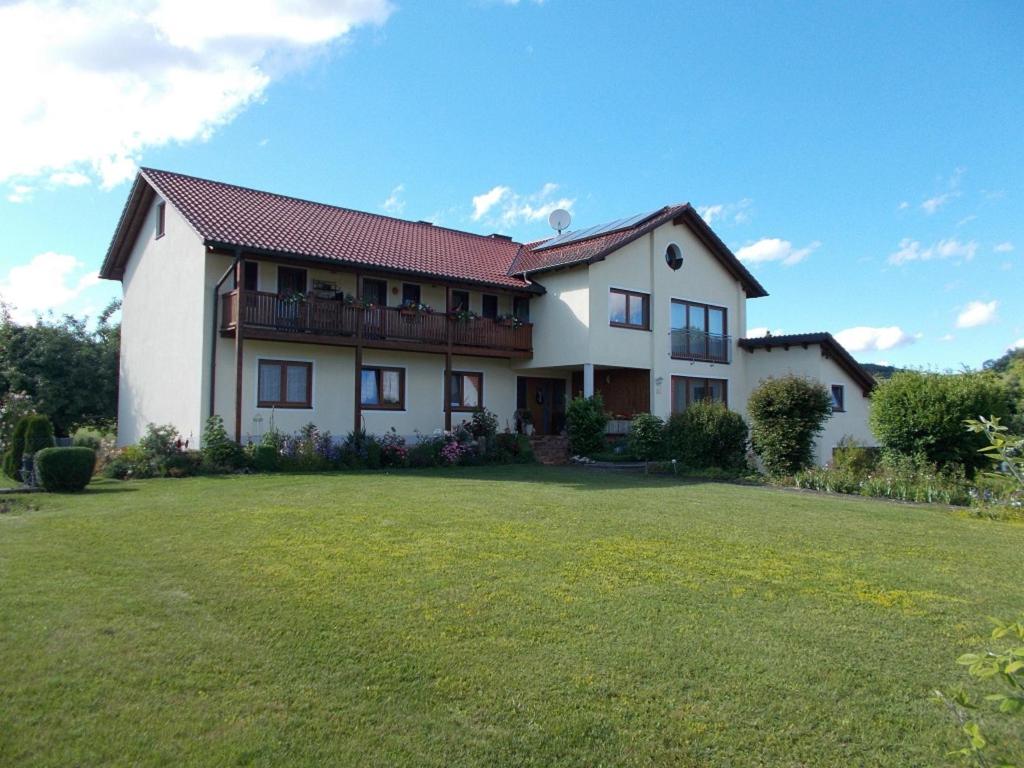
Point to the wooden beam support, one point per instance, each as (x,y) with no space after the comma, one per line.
(358,389)
(448,362)
(239,336)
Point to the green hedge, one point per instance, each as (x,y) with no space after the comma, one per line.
(64,470)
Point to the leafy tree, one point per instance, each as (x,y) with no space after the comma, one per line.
(787,414)
(919,413)
(585,421)
(68,370)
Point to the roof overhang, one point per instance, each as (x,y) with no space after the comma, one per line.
(133,215)
(829,346)
(683,215)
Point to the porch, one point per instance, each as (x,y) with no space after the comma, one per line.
(326,321)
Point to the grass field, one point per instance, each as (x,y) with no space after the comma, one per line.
(514,616)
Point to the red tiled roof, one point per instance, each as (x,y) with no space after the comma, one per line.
(226,215)
(534,258)
(530,260)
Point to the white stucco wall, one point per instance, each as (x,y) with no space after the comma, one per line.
(853,422)
(561,320)
(162,368)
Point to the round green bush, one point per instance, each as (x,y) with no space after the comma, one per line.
(647,437)
(922,414)
(585,421)
(787,413)
(264,458)
(707,435)
(64,470)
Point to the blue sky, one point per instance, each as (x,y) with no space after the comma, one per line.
(865,160)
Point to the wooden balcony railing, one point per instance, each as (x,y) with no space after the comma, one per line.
(693,344)
(268,311)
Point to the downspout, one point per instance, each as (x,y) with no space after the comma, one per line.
(213,343)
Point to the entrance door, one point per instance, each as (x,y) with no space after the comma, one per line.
(545,400)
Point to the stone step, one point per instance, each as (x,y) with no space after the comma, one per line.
(550,449)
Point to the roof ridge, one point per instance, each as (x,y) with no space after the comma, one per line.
(146,170)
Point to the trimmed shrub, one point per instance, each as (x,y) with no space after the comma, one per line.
(85,437)
(220,452)
(787,414)
(264,458)
(183,464)
(646,438)
(426,453)
(585,421)
(708,435)
(38,434)
(13,456)
(64,470)
(917,413)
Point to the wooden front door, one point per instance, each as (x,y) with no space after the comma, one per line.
(545,400)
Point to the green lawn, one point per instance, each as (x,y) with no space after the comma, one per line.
(515,616)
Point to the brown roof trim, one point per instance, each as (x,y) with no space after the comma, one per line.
(678,214)
(828,344)
(127,231)
(335,263)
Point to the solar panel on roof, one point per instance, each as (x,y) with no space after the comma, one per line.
(600,229)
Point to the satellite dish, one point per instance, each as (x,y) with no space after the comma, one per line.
(559,219)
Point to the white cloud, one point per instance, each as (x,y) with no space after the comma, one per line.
(977,313)
(89,86)
(903,205)
(736,212)
(1006,247)
(911,250)
(932,204)
(20,193)
(948,337)
(47,282)
(482,204)
(775,249)
(501,205)
(1018,344)
(863,338)
(395,204)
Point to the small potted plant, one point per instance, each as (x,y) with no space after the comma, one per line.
(509,320)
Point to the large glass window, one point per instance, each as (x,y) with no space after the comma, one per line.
(467,390)
(375,292)
(699,332)
(291,280)
(382,388)
(687,390)
(628,309)
(284,384)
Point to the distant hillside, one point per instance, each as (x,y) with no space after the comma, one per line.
(881,371)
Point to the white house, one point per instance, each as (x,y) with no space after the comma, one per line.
(261,308)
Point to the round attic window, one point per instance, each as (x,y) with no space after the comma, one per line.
(673,256)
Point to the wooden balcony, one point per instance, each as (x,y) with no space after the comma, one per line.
(318,321)
(704,347)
